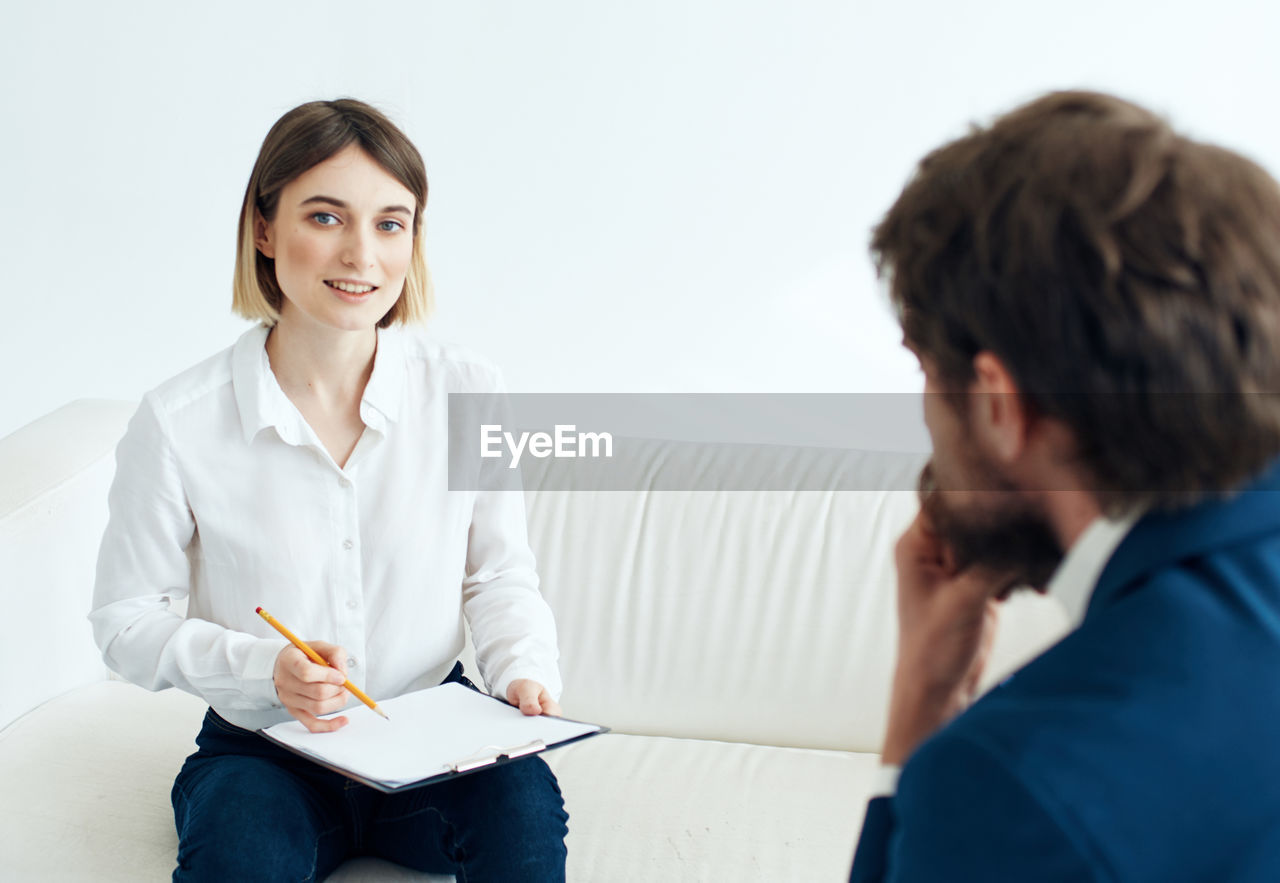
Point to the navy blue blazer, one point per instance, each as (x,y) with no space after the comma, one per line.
(1143,746)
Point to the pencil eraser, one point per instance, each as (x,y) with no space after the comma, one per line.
(259,610)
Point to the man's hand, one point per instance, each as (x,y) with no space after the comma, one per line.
(308,690)
(946,625)
(532,698)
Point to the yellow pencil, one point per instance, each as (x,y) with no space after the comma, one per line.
(318,660)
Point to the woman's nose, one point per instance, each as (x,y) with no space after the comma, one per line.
(357,249)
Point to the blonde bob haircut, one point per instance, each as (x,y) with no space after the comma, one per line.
(305,137)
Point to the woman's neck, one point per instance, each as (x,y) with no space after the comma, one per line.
(324,366)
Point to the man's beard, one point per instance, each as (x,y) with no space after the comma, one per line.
(1015,545)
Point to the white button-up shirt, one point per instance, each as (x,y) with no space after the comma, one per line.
(225,495)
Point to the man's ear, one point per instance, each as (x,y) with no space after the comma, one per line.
(262,235)
(1001,419)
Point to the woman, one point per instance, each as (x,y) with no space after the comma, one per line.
(305,469)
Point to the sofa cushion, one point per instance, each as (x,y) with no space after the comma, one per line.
(663,809)
(87,778)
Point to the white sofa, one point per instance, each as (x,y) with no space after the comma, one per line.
(739,644)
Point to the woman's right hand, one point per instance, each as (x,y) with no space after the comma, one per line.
(308,690)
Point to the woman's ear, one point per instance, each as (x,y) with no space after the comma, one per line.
(262,235)
(1002,417)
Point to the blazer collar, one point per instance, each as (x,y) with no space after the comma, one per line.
(1161,538)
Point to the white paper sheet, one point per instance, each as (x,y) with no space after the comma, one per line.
(428,731)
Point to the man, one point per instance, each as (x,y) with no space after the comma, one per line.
(1095,302)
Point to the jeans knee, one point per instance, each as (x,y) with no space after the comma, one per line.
(259,857)
(240,823)
(521,833)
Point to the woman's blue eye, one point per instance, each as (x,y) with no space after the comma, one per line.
(324,218)
(390,226)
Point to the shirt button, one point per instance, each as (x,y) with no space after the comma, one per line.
(347,544)
(352,662)
(352,604)
(344,483)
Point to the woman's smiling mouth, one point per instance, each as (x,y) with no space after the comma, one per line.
(350,287)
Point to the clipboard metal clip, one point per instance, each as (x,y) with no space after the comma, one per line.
(494,753)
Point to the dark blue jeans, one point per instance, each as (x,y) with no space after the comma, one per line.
(247,809)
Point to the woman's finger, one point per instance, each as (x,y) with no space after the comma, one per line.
(318,725)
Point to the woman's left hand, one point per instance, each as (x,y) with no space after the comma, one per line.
(532,698)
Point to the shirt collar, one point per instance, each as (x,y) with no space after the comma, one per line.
(262,403)
(254,384)
(385,390)
(1074,580)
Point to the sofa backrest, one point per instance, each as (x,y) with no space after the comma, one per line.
(756,616)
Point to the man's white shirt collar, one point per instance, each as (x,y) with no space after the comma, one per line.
(1073,582)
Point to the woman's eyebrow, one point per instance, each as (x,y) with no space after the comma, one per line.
(338,203)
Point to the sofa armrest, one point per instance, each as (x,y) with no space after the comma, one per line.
(54,476)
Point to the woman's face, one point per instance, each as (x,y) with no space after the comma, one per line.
(342,238)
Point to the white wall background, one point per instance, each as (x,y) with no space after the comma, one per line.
(664,196)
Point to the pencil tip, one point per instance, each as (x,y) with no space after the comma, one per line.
(383,713)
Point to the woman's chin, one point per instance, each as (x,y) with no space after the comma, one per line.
(338,316)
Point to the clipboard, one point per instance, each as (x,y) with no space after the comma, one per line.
(432,735)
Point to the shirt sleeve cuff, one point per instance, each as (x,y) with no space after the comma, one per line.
(259,672)
(885,783)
